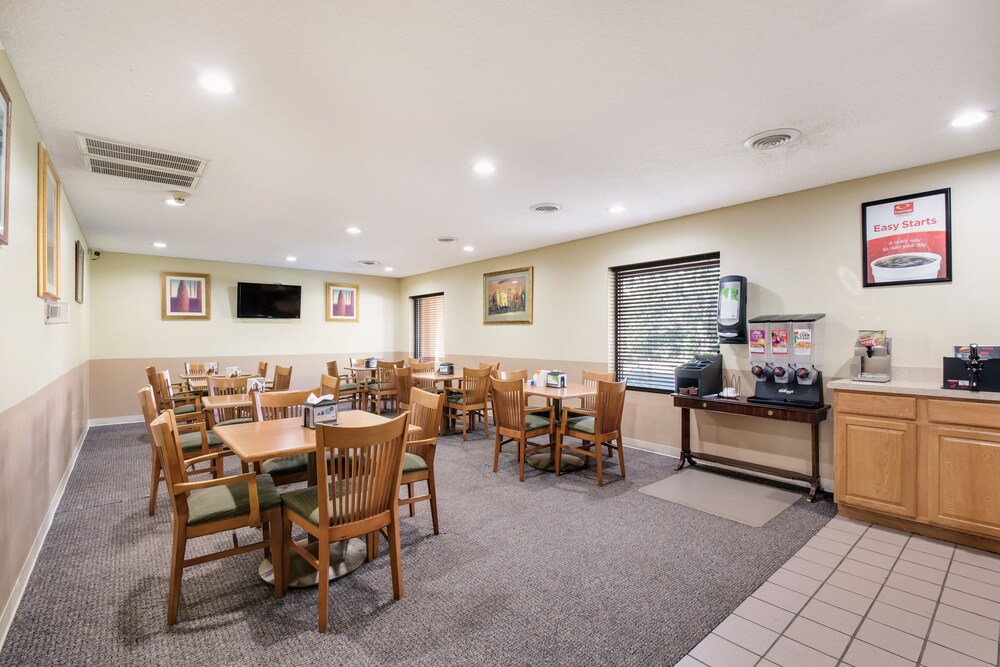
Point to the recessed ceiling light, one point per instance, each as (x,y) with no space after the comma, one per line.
(353,230)
(388,269)
(969,118)
(445,239)
(291,258)
(159,244)
(484,167)
(617,208)
(468,248)
(368,262)
(216,83)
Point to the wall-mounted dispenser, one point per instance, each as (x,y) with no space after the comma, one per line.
(733,309)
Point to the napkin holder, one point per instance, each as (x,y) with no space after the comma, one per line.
(555,379)
(446,368)
(232,371)
(322,411)
(371,362)
(255,384)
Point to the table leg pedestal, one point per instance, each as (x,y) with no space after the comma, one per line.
(345,557)
(546,461)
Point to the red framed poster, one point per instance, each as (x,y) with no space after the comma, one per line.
(907,240)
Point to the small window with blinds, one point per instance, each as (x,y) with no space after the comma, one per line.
(664,314)
(427,326)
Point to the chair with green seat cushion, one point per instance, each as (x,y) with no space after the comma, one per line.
(214,506)
(357,493)
(516,422)
(597,428)
(186,405)
(195,441)
(418,462)
(282,405)
(348,387)
(464,403)
(238,420)
(334,385)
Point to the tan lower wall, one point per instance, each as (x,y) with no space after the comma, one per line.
(113,382)
(37,439)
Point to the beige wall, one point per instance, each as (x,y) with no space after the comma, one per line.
(801,253)
(129,334)
(43,398)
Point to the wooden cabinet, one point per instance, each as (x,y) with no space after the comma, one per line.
(879,459)
(924,464)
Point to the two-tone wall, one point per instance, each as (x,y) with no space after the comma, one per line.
(43,396)
(801,253)
(129,333)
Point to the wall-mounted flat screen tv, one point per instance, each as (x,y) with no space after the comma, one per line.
(258,300)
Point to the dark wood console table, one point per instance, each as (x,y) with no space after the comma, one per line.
(811,416)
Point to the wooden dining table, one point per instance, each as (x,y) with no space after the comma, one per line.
(209,404)
(557,395)
(256,442)
(199,381)
(447,424)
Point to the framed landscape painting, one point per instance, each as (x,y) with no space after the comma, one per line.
(508,296)
(185,296)
(342,302)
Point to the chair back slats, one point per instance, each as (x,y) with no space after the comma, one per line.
(590,379)
(168,448)
(519,374)
(223,386)
(195,367)
(282,378)
(508,404)
(330,384)
(262,369)
(610,402)
(385,374)
(332,368)
(422,366)
(363,469)
(154,382)
(147,402)
(475,382)
(404,383)
(278,404)
(425,412)
(493,368)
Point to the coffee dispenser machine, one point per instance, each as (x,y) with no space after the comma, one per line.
(785,355)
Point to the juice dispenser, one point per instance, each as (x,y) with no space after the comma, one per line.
(807,348)
(759,339)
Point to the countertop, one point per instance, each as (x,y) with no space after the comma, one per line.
(915,382)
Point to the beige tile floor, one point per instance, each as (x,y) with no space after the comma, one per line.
(866,596)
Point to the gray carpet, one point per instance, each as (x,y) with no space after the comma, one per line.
(548,572)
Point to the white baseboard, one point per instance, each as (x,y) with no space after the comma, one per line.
(108,421)
(7,618)
(675,452)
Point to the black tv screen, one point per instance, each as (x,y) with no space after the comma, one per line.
(257,300)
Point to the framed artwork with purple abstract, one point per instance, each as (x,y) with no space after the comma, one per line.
(186,296)
(342,302)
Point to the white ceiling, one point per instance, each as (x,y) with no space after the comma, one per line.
(372,114)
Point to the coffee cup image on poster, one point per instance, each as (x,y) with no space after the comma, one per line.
(907,239)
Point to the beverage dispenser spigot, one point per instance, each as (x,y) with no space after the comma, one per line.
(759,339)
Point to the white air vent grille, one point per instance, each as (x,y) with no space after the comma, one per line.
(56,312)
(115,158)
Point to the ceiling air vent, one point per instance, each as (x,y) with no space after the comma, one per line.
(115,158)
(765,141)
(545,208)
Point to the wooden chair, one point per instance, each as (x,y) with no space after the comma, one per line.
(404,384)
(282,378)
(362,472)
(195,439)
(418,462)
(223,386)
(282,405)
(600,426)
(423,367)
(464,403)
(262,369)
(516,422)
(331,384)
(383,388)
(591,378)
(519,374)
(214,506)
(185,404)
(196,367)
(347,387)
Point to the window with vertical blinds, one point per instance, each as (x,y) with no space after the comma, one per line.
(664,313)
(427,326)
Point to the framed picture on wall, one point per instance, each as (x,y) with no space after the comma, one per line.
(186,296)
(342,302)
(907,240)
(508,296)
(49,198)
(79,272)
(5,107)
